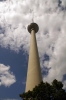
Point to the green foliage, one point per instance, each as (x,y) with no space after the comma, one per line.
(58,85)
(46,91)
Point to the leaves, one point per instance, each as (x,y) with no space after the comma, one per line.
(45,91)
(57,84)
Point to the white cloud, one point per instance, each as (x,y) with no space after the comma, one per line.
(64,84)
(6,77)
(7,99)
(23,83)
(51,38)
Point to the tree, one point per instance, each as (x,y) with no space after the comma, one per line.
(46,91)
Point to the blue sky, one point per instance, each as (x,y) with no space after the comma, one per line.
(18,62)
(15,16)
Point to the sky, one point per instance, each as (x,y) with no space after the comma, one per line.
(15,16)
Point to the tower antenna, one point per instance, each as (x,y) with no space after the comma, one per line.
(33,17)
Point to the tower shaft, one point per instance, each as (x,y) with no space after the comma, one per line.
(34,73)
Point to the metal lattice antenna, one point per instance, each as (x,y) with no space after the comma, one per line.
(32,20)
(33,17)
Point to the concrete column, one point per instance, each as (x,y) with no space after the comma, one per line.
(34,76)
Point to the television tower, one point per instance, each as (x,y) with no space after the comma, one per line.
(34,76)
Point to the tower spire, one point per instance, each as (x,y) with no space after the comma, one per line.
(33,17)
(34,76)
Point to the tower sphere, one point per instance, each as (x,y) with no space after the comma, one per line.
(33,26)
